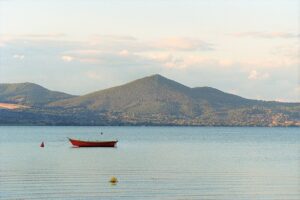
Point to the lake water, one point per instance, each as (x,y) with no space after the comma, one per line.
(151,163)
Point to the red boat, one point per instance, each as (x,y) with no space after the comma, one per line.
(81,143)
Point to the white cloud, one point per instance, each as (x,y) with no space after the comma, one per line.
(182,44)
(18,56)
(66,58)
(184,61)
(124,52)
(254,75)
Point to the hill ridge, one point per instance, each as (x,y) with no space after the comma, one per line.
(29,94)
(152,100)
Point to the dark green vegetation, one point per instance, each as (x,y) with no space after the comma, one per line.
(153,100)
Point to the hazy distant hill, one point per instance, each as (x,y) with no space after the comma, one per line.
(29,94)
(155,95)
(153,100)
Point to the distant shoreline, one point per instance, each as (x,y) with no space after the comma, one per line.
(49,125)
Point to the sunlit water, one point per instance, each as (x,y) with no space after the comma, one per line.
(151,163)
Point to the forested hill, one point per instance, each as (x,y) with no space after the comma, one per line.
(153,100)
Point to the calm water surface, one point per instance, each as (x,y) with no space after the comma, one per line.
(151,163)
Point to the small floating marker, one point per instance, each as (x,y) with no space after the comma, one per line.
(42,144)
(113,180)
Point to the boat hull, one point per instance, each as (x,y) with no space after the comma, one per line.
(80,143)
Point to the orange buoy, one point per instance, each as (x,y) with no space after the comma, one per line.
(42,145)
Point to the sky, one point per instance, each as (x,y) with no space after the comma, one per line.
(247,48)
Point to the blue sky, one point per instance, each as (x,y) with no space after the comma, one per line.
(249,48)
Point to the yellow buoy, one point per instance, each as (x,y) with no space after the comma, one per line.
(113,180)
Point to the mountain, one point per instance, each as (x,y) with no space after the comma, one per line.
(154,95)
(153,100)
(29,94)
